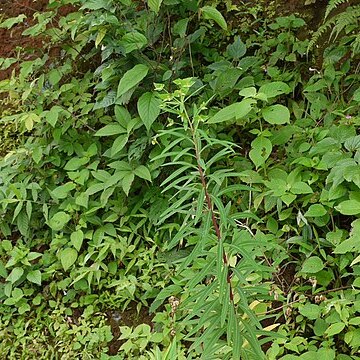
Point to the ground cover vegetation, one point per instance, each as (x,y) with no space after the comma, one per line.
(182,182)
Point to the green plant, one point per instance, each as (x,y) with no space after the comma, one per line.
(344,22)
(178,164)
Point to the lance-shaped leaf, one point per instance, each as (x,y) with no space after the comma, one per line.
(209,12)
(131,78)
(233,112)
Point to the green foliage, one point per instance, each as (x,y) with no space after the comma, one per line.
(345,22)
(180,188)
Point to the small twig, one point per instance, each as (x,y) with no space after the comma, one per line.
(298,300)
(279,308)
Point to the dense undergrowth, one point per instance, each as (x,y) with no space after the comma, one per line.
(183,183)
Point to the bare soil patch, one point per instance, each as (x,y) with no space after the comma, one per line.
(12,40)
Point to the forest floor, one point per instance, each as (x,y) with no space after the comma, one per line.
(11,41)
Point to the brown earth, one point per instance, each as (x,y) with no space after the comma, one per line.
(11,40)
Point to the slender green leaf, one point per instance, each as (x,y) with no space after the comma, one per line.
(235,111)
(111,129)
(15,275)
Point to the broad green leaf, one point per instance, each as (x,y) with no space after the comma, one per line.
(29,120)
(3,271)
(15,275)
(33,255)
(132,41)
(261,150)
(312,265)
(149,108)
(326,354)
(308,355)
(82,199)
(119,144)
(209,12)
(61,192)
(276,114)
(334,329)
(320,84)
(17,294)
(154,5)
(10,22)
(274,89)
(95,4)
(316,210)
(22,222)
(132,78)
(356,261)
(52,115)
(311,311)
(59,220)
(17,210)
(226,81)
(347,245)
(320,326)
(34,277)
(23,308)
(352,338)
(76,239)
(356,95)
(107,101)
(93,189)
(288,198)
(248,92)
(233,112)
(301,187)
(111,129)
(122,116)
(352,243)
(75,163)
(237,49)
(143,172)
(356,320)
(353,143)
(55,76)
(37,154)
(127,181)
(100,36)
(180,27)
(121,166)
(352,173)
(349,207)
(68,257)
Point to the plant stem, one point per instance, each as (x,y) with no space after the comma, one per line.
(208,199)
